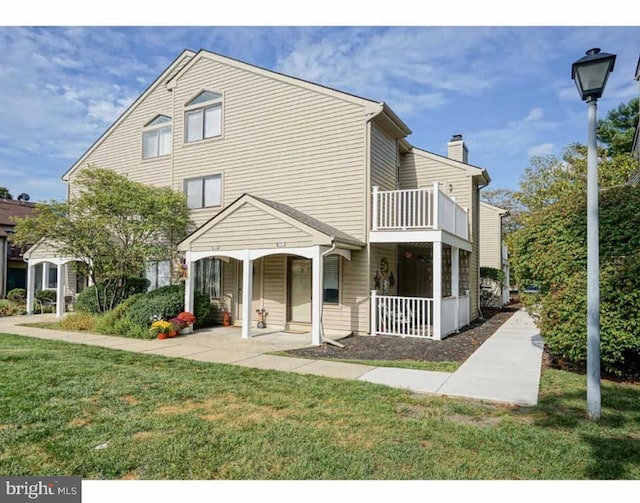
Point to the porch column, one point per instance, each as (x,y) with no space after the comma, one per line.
(60,276)
(455,280)
(45,275)
(316,296)
(31,286)
(437,290)
(188,288)
(247,295)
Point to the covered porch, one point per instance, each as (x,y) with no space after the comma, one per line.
(432,298)
(47,269)
(286,252)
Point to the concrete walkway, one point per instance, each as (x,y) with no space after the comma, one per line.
(506,368)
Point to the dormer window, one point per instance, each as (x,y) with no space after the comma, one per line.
(156,137)
(203,116)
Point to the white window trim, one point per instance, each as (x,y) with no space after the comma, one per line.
(202,178)
(155,127)
(202,106)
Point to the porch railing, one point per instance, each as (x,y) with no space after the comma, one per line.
(415,209)
(414,316)
(402,316)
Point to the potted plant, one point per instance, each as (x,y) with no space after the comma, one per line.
(184,320)
(162,329)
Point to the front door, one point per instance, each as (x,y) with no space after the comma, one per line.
(300,276)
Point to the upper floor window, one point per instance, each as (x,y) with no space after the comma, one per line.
(203,116)
(156,137)
(204,191)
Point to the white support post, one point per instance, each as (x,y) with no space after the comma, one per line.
(188,289)
(45,275)
(31,286)
(374,211)
(247,295)
(316,296)
(374,312)
(437,290)
(455,281)
(60,276)
(436,205)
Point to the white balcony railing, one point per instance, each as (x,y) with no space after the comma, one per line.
(418,209)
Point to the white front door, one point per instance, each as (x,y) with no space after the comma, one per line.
(300,276)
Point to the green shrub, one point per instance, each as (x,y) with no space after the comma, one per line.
(564,318)
(117,321)
(88,302)
(79,322)
(166,303)
(492,273)
(17,295)
(10,308)
(45,296)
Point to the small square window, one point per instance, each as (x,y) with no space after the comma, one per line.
(204,192)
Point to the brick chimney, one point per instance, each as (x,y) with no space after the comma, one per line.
(457,150)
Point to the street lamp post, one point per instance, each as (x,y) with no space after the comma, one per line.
(590,74)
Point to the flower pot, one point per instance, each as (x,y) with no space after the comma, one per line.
(162,335)
(172,333)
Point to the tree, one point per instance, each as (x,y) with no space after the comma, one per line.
(5,194)
(113,225)
(506,199)
(617,130)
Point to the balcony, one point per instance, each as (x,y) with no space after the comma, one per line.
(416,215)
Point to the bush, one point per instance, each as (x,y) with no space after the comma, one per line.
(79,322)
(17,295)
(10,308)
(87,301)
(564,318)
(166,303)
(47,296)
(117,321)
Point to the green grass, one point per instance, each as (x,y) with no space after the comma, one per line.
(169,418)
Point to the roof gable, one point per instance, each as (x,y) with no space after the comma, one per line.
(475,171)
(171,70)
(261,223)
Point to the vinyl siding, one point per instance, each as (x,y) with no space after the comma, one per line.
(490,238)
(43,250)
(352,314)
(279,141)
(274,284)
(249,227)
(121,150)
(384,159)
(418,172)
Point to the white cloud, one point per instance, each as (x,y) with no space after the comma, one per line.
(541,150)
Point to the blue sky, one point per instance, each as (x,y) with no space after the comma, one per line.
(507,89)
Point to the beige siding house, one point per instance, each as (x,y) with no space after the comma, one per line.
(343,224)
(494,254)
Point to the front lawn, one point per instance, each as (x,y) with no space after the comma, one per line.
(69,409)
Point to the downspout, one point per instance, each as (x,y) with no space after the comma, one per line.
(322,256)
(480,186)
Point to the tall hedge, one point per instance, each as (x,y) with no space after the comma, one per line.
(551,250)
(87,300)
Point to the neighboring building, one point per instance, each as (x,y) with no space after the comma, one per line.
(494,254)
(343,224)
(13,269)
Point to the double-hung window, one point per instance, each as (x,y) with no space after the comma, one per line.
(204,191)
(203,117)
(156,137)
(331,279)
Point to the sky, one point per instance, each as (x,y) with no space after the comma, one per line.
(506,88)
